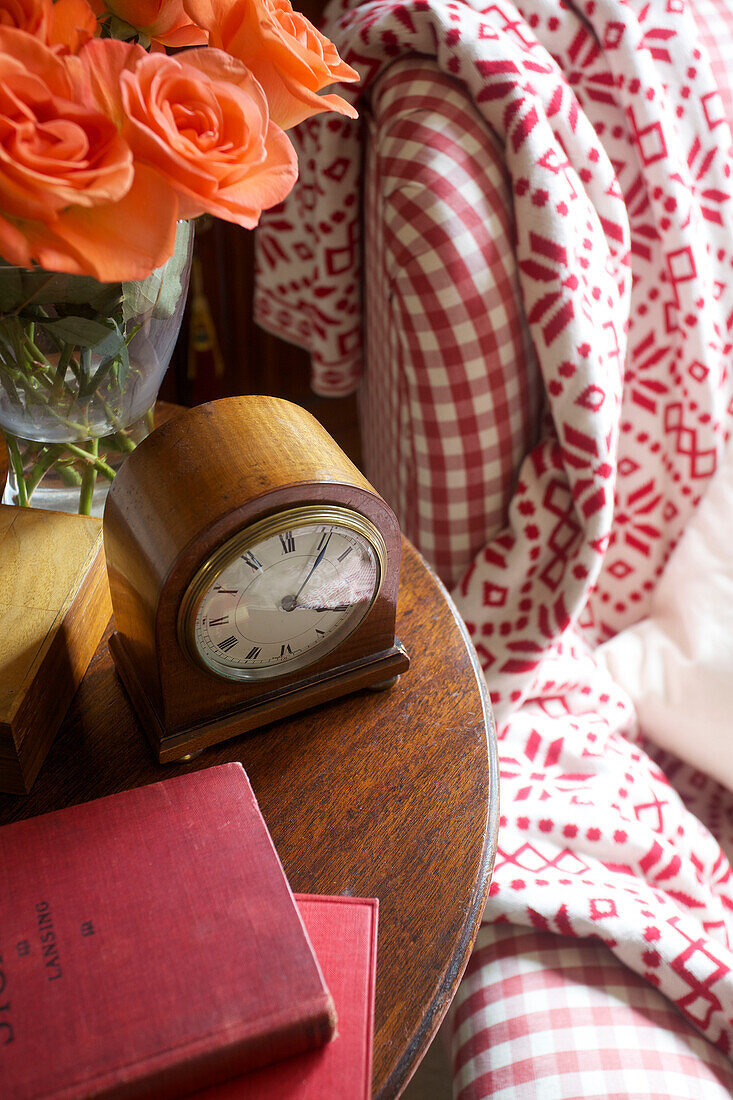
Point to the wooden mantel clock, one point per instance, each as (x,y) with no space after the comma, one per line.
(253,572)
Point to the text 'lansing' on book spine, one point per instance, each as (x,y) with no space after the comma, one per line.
(49,946)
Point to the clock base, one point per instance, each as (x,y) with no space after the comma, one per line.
(171,746)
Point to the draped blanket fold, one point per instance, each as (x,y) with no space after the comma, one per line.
(618,156)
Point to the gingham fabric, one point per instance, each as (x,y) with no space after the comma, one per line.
(566,1021)
(615,146)
(714,19)
(450,402)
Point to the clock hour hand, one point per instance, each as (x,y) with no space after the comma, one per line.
(319,608)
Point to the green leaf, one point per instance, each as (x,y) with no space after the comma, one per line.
(118,28)
(172,288)
(93,383)
(20,288)
(159,294)
(78,330)
(141,297)
(112,344)
(120,354)
(114,352)
(101,297)
(124,365)
(71,290)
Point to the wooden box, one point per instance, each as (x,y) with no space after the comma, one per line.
(54,607)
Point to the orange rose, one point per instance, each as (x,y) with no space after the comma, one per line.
(69,195)
(162,21)
(200,120)
(66,24)
(291,59)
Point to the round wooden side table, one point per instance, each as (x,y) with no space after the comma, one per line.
(389,794)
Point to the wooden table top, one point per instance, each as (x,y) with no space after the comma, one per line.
(391,795)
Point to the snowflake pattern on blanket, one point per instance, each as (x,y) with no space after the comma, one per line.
(618,154)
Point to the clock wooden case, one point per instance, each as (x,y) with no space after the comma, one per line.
(195,487)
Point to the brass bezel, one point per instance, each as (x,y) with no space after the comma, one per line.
(224,555)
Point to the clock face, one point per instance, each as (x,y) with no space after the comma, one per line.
(283,593)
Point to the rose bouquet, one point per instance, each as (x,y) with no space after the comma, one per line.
(120,122)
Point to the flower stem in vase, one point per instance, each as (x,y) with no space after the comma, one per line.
(88,480)
(44,462)
(17,464)
(78,470)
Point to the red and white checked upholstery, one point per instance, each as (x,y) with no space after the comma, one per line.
(714,20)
(449,402)
(547,1017)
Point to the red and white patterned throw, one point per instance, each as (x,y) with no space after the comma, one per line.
(613,136)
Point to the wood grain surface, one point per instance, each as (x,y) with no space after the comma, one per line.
(201,478)
(54,607)
(391,795)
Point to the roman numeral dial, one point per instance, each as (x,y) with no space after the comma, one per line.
(282,594)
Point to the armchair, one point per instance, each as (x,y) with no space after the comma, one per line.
(545,397)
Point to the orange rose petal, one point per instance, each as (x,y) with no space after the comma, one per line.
(34,57)
(96,71)
(209,14)
(312,60)
(145,14)
(196,168)
(127,239)
(13,244)
(291,103)
(188,35)
(333,102)
(19,199)
(71,24)
(219,65)
(52,253)
(52,166)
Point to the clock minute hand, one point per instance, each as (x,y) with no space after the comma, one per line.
(315,565)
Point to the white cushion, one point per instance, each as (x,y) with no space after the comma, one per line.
(677,664)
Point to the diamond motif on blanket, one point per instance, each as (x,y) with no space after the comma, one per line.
(712,106)
(494,595)
(650,140)
(620,569)
(614,34)
(591,398)
(698,371)
(602,908)
(682,264)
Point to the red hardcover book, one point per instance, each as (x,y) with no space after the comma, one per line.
(343,932)
(150,946)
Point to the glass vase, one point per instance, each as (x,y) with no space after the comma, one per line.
(81,363)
